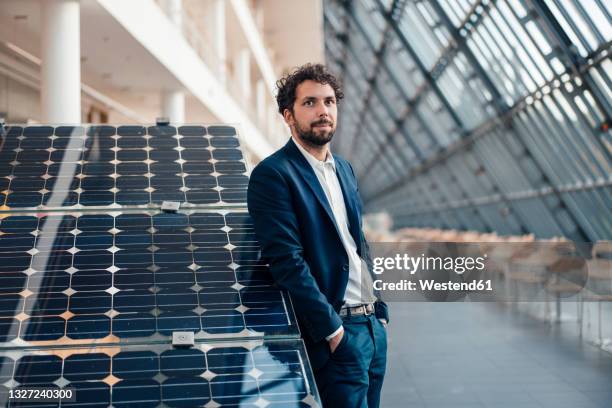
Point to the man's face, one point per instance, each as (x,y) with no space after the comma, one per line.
(314,113)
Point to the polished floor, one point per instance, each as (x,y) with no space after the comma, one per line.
(480,355)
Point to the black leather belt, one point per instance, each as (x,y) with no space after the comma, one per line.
(360,310)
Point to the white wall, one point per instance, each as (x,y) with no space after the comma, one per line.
(18,102)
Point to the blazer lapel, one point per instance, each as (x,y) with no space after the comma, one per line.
(349,202)
(308,174)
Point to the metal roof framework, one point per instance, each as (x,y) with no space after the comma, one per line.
(478,114)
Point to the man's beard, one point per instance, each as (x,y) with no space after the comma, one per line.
(314,135)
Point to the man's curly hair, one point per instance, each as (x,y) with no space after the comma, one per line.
(285,98)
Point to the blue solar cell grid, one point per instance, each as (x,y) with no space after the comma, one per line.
(100,166)
(83,276)
(270,373)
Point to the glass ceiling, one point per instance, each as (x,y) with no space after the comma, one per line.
(478,115)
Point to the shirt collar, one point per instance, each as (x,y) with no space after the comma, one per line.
(314,162)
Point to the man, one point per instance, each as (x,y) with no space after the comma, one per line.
(306,209)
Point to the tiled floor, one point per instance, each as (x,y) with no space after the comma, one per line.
(480,355)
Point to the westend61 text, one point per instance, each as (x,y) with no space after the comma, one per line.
(429,284)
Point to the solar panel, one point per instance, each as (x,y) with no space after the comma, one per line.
(250,373)
(84,276)
(43,167)
(95,278)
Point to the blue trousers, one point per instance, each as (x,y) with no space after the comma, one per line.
(353,375)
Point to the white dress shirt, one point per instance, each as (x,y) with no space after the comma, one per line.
(326,174)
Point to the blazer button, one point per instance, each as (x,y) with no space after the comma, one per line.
(345,267)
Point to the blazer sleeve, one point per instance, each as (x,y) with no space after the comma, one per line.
(276,227)
(382,310)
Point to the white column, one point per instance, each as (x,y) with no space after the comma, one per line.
(174,9)
(219,38)
(60,96)
(242,73)
(173,106)
(260,102)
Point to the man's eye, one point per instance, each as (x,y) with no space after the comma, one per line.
(330,102)
(308,103)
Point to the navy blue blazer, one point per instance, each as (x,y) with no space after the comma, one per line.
(299,239)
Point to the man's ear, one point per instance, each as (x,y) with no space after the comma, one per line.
(288,116)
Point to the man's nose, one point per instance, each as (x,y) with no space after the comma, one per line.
(323,110)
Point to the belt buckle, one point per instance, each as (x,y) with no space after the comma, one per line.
(364,310)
